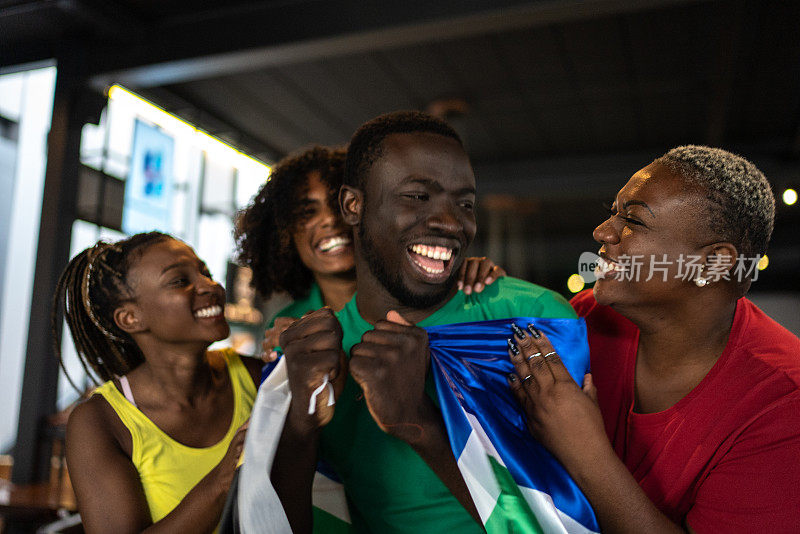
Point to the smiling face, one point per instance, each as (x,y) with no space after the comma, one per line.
(174,299)
(322,240)
(653,215)
(418,217)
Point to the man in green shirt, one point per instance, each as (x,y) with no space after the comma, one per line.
(409,194)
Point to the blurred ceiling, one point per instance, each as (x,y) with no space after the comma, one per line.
(535,79)
(556,100)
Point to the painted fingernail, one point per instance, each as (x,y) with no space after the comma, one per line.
(273,355)
(478,287)
(512,347)
(467,289)
(460,284)
(534,332)
(518,331)
(512,377)
(488,280)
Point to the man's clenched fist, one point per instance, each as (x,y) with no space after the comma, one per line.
(312,347)
(390,365)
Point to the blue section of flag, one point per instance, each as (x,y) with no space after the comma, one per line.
(324,468)
(470,365)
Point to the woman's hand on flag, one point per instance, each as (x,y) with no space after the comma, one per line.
(562,416)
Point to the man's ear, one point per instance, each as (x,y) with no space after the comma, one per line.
(128,318)
(351,204)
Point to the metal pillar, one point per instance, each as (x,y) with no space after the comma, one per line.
(74,105)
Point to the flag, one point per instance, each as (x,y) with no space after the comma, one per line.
(516,484)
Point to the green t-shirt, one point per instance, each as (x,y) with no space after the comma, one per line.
(389,487)
(298,308)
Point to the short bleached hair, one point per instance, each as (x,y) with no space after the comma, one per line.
(741,207)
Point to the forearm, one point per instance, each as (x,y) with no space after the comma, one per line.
(293,475)
(199,511)
(620,504)
(433,446)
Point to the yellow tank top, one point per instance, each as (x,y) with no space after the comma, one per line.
(168,469)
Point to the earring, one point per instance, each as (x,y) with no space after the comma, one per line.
(700,281)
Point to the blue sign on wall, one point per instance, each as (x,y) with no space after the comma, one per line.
(148,190)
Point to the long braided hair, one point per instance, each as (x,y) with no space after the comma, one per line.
(92,286)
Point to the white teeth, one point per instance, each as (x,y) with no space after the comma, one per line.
(605,266)
(333,242)
(599,269)
(211,311)
(432,271)
(436,253)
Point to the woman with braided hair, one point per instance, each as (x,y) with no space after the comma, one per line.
(155,447)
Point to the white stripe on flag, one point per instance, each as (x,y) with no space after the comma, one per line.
(328,495)
(550,518)
(483,438)
(539,500)
(477,472)
(260,509)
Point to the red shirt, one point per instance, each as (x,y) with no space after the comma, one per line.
(726,457)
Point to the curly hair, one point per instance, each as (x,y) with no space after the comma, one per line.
(366,145)
(741,207)
(91,287)
(263,230)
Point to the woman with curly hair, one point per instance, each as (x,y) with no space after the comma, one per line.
(293,238)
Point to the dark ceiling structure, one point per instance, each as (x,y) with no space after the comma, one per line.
(531,79)
(559,101)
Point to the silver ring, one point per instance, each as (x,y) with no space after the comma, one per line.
(549,353)
(532,356)
(524,379)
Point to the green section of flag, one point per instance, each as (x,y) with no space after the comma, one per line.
(511,513)
(325,523)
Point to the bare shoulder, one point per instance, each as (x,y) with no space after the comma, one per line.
(106,483)
(89,415)
(95,423)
